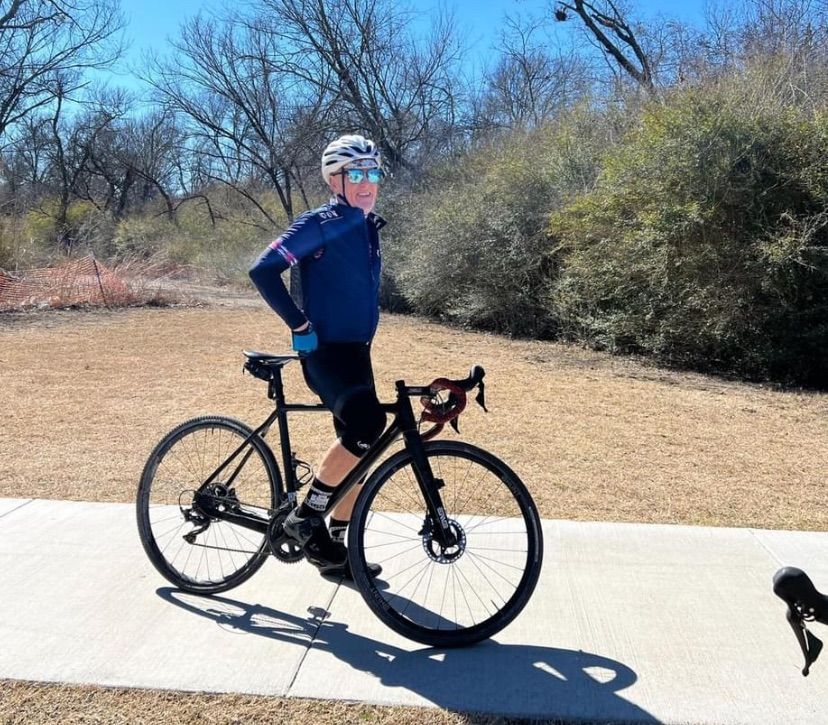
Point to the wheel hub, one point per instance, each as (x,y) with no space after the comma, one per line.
(215,500)
(440,553)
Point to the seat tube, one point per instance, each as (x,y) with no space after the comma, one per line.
(277,392)
(422,467)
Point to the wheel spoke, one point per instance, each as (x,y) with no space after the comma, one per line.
(228,553)
(449,590)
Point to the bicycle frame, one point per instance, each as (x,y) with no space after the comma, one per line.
(404,423)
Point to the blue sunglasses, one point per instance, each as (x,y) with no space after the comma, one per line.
(356,176)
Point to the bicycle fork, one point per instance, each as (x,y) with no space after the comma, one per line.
(437,523)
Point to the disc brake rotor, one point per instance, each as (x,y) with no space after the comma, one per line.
(444,554)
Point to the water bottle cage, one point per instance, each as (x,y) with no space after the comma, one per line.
(302,471)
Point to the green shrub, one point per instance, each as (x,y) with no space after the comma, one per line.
(474,248)
(705,240)
(87,229)
(221,248)
(141,236)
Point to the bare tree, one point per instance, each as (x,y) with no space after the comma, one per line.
(248,120)
(43,39)
(109,179)
(154,143)
(72,143)
(613,34)
(531,81)
(399,89)
(25,161)
(792,27)
(783,41)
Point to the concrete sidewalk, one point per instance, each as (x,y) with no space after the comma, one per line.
(629,622)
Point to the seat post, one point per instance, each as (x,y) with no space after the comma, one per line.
(275,389)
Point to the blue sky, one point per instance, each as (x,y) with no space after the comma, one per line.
(151,22)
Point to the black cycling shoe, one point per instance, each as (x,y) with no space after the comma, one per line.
(344,570)
(312,535)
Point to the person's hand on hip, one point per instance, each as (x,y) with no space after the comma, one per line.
(304,339)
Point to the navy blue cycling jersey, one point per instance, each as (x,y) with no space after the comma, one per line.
(337,249)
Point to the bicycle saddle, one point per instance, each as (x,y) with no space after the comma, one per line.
(267,358)
(265,365)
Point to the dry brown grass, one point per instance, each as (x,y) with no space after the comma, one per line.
(87,395)
(594,437)
(29,702)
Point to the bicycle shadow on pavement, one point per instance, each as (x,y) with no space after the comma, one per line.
(517,680)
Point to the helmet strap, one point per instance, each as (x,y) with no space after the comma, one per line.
(342,195)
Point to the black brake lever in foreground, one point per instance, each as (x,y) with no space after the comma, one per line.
(475,378)
(805,604)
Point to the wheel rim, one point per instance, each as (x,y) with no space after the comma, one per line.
(459,588)
(223,550)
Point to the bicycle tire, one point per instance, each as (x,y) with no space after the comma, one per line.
(510,507)
(197,445)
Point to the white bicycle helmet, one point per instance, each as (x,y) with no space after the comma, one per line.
(345,150)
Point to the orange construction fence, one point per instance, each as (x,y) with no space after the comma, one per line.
(77,282)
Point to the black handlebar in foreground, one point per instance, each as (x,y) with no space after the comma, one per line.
(805,604)
(476,375)
(475,379)
(442,410)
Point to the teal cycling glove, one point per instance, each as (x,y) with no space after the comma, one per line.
(305,342)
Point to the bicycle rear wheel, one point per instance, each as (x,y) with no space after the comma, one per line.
(447,597)
(195,552)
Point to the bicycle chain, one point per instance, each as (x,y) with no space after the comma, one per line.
(223,548)
(284,549)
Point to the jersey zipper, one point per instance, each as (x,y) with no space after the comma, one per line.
(370,295)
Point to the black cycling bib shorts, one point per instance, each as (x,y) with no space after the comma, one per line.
(342,376)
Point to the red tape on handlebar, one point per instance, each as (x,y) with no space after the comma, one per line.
(438,413)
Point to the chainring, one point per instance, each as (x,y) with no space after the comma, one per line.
(284,549)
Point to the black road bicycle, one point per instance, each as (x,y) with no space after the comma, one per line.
(455,530)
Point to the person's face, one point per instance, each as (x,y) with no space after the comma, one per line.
(362,194)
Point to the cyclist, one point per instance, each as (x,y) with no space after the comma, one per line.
(337,248)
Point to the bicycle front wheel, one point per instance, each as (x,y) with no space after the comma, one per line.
(195,552)
(455,596)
